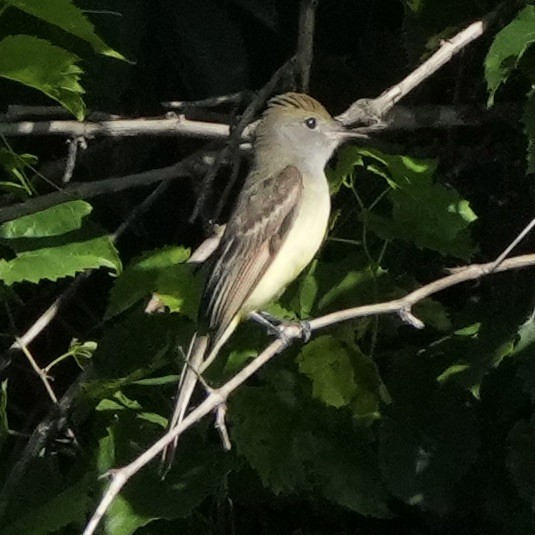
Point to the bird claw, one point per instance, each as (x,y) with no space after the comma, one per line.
(305,331)
(278,328)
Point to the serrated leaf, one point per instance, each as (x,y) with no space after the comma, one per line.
(299,446)
(427,214)
(16,165)
(346,160)
(39,64)
(308,291)
(433,313)
(264,430)
(178,289)
(51,222)
(326,362)
(70,18)
(508,47)
(161,271)
(196,474)
(59,258)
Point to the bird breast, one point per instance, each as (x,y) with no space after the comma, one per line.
(299,247)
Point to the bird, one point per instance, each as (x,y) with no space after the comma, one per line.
(275,229)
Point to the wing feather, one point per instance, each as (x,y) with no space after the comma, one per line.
(258,226)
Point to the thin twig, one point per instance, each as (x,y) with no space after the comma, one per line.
(55,419)
(212,102)
(87,190)
(367,111)
(305,42)
(16,112)
(40,373)
(237,132)
(292,331)
(513,244)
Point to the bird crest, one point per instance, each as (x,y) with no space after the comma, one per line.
(298,101)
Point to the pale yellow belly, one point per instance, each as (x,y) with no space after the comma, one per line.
(299,248)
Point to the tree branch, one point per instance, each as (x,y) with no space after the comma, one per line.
(173,125)
(305,42)
(292,331)
(367,111)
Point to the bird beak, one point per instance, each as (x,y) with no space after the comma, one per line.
(340,133)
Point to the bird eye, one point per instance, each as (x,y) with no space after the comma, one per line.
(311,123)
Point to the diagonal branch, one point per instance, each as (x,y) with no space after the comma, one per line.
(292,331)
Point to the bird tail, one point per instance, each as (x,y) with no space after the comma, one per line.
(186,386)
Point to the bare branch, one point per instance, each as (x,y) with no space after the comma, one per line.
(16,112)
(211,102)
(367,111)
(525,231)
(292,331)
(305,42)
(41,373)
(87,190)
(173,125)
(238,131)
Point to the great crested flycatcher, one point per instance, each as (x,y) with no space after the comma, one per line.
(276,227)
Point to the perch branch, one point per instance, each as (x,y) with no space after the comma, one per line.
(292,331)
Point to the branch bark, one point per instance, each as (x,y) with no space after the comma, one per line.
(293,331)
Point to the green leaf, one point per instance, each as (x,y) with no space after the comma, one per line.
(52,70)
(346,160)
(297,445)
(55,243)
(59,259)
(433,313)
(16,165)
(196,474)
(134,348)
(427,214)
(68,507)
(326,362)
(507,49)
(179,290)
(162,271)
(51,222)
(68,17)
(43,502)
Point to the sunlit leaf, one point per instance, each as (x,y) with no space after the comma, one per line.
(508,47)
(68,17)
(52,70)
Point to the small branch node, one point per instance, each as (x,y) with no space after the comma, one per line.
(220,424)
(408,317)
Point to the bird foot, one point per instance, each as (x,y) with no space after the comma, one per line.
(279,328)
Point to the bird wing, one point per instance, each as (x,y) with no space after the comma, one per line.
(258,226)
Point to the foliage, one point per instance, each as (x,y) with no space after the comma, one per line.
(39,64)
(370,427)
(55,243)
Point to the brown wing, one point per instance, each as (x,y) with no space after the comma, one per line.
(255,232)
